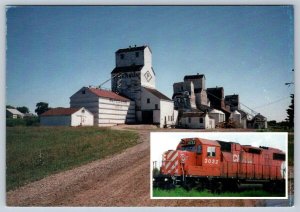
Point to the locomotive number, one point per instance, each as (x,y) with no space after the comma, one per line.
(211,161)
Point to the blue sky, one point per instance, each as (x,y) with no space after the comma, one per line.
(53,51)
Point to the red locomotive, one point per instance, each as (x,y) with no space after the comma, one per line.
(213,164)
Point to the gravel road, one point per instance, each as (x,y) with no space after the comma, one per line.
(118,180)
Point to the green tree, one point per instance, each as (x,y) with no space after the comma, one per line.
(41,107)
(155,172)
(290,112)
(10,107)
(23,109)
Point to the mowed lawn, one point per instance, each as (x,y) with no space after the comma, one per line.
(35,152)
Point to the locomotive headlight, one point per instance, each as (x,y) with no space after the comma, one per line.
(166,179)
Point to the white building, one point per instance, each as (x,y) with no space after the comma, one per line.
(235,116)
(132,72)
(107,107)
(156,108)
(184,96)
(134,78)
(67,117)
(217,115)
(190,93)
(258,122)
(196,120)
(13,113)
(244,118)
(199,88)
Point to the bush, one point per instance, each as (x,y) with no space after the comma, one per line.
(155,172)
(32,121)
(27,121)
(10,122)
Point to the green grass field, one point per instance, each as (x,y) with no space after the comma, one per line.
(180,192)
(35,152)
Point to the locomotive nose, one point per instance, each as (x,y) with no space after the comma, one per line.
(172,162)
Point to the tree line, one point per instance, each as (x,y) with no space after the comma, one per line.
(41,107)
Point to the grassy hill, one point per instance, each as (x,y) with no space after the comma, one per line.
(35,152)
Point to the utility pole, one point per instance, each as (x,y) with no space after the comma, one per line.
(290,83)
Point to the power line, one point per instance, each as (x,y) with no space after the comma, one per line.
(252,110)
(117,75)
(273,102)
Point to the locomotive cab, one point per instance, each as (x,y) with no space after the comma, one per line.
(204,157)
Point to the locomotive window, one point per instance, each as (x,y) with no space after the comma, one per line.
(277,156)
(211,151)
(189,148)
(199,149)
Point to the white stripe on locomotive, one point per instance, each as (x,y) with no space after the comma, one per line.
(172,159)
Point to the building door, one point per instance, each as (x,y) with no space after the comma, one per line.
(147,117)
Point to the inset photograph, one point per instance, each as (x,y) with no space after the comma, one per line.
(219,165)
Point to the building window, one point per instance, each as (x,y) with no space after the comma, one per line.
(148,100)
(137,54)
(189,119)
(82,111)
(156,106)
(83,92)
(122,56)
(201,120)
(211,151)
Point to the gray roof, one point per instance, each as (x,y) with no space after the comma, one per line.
(243,113)
(198,76)
(132,49)
(14,111)
(260,116)
(158,94)
(123,69)
(205,108)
